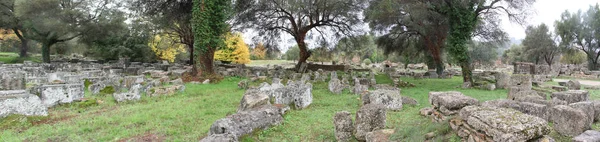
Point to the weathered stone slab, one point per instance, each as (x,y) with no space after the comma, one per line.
(449,103)
(572,96)
(369,118)
(391,99)
(588,136)
(59,94)
(12,80)
(586,107)
(502,124)
(573,85)
(253,98)
(569,121)
(246,122)
(380,135)
(342,121)
(132,95)
(22,103)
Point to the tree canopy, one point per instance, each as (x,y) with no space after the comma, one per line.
(539,45)
(299,19)
(580,31)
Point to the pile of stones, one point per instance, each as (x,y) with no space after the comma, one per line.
(261,108)
(31,88)
(370,122)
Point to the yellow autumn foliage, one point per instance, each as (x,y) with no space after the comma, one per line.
(7,34)
(259,51)
(236,50)
(165,47)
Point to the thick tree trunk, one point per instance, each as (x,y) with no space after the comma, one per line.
(191,47)
(46,52)
(24,48)
(24,43)
(206,62)
(467,73)
(304,53)
(592,65)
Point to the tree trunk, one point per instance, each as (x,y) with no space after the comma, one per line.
(592,65)
(191,47)
(304,53)
(46,52)
(467,73)
(24,43)
(206,62)
(439,68)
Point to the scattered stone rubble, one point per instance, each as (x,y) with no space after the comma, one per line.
(51,84)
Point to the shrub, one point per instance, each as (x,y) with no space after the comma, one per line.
(367,61)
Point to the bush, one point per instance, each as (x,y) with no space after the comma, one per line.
(367,61)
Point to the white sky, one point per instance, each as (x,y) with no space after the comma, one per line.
(546,11)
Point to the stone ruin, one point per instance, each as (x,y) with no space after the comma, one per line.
(530,111)
(260,108)
(31,88)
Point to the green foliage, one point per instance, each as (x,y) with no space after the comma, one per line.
(514,54)
(367,61)
(209,24)
(377,56)
(483,53)
(538,45)
(292,53)
(55,21)
(321,54)
(573,57)
(108,90)
(362,46)
(87,83)
(579,31)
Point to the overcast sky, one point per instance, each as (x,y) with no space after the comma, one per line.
(547,11)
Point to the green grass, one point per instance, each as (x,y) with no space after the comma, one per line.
(11,58)
(188,116)
(182,117)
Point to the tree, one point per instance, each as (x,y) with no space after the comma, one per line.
(353,46)
(54,21)
(573,57)
(209,24)
(580,31)
(236,50)
(298,18)
(321,54)
(112,39)
(10,20)
(468,19)
(292,53)
(539,45)
(166,47)
(514,54)
(171,17)
(409,24)
(259,52)
(483,53)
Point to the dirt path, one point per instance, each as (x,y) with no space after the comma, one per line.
(583,82)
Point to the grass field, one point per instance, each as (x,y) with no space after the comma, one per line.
(10,58)
(188,116)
